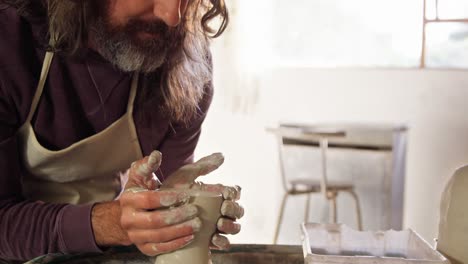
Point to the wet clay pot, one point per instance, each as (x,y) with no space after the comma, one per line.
(198,252)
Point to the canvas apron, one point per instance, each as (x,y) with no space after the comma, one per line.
(86,171)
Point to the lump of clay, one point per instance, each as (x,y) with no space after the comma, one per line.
(198,252)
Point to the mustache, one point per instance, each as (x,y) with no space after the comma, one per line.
(156,27)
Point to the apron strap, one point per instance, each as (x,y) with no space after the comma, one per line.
(40,86)
(133,92)
(131,122)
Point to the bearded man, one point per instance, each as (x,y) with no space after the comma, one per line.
(89,89)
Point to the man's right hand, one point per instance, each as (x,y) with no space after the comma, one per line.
(156,221)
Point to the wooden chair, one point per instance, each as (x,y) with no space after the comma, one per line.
(307,136)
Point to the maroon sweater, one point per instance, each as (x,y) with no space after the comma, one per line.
(82,97)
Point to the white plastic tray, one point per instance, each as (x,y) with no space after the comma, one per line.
(339,244)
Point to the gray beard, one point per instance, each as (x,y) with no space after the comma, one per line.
(120,50)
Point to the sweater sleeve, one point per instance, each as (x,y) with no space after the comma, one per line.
(31,228)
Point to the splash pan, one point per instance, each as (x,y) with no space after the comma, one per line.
(339,244)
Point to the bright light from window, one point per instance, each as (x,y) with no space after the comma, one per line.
(431,10)
(348,33)
(447,45)
(453,9)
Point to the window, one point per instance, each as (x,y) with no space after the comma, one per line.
(446,34)
(370,33)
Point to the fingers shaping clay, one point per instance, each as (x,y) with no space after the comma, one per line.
(198,252)
(190,172)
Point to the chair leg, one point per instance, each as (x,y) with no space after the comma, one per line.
(280,217)
(333,209)
(358,209)
(306,216)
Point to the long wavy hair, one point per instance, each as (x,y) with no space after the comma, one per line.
(184,75)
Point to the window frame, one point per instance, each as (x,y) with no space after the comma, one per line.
(426,22)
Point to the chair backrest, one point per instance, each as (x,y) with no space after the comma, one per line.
(453,225)
(300,135)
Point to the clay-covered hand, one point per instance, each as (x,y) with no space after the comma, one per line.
(156,221)
(186,175)
(184,178)
(231,211)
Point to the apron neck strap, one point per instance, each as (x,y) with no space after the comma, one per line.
(133,91)
(40,86)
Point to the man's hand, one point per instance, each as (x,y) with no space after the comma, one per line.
(231,211)
(184,178)
(155,221)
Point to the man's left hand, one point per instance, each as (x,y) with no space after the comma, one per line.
(231,211)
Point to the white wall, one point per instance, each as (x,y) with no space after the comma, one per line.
(432,103)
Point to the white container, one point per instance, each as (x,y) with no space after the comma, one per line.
(339,244)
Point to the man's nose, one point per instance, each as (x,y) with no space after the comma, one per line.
(169,11)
